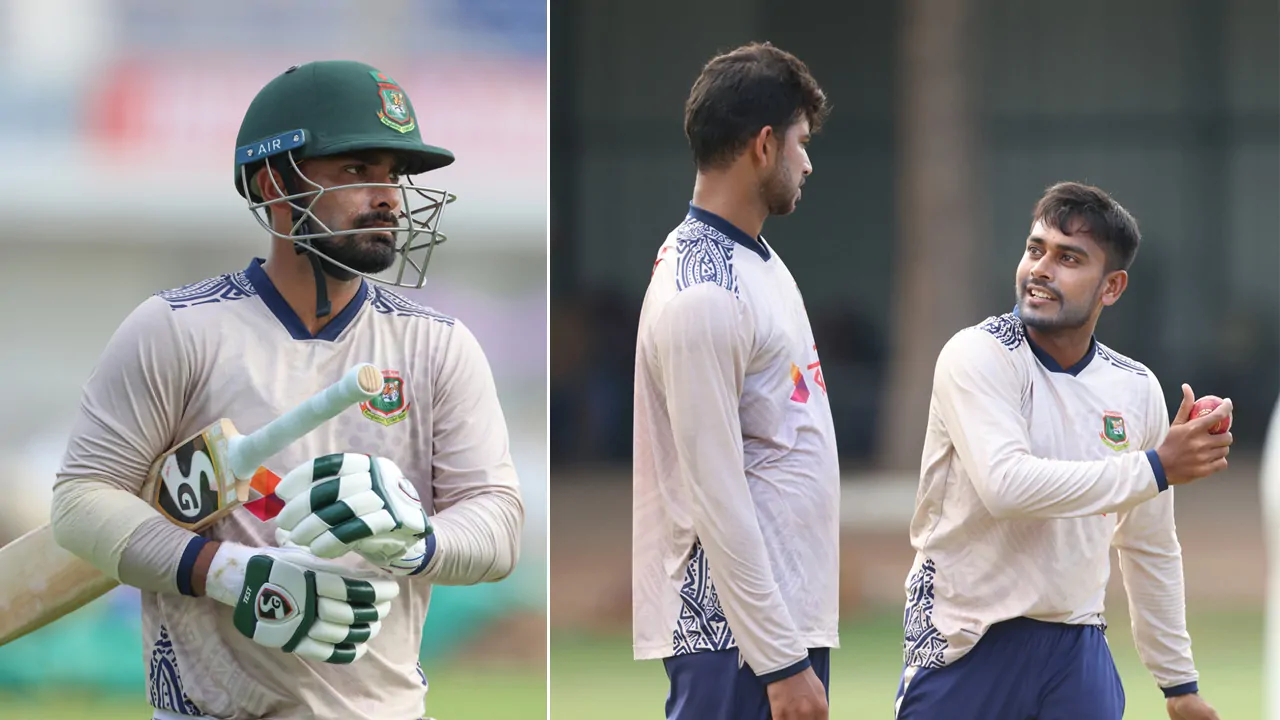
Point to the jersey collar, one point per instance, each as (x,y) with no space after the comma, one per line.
(288,318)
(1047,360)
(731,231)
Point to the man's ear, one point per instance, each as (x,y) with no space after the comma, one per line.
(269,183)
(763,146)
(1115,286)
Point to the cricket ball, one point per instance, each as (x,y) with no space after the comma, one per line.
(1206,405)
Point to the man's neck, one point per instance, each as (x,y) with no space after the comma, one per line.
(294,279)
(1066,347)
(732,199)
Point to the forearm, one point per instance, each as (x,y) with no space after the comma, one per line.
(476,540)
(1021,485)
(126,539)
(1154,584)
(759,619)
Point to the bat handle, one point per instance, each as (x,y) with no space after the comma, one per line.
(248,452)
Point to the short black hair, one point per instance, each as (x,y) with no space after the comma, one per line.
(743,91)
(1071,207)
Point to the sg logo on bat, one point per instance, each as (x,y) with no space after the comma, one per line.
(188,489)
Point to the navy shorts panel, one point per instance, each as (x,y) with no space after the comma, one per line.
(1020,670)
(711,686)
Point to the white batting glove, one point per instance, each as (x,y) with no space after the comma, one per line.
(289,599)
(348,502)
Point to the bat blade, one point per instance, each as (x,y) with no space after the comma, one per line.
(43,582)
(193,485)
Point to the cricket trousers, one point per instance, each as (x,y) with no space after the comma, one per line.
(712,686)
(1021,669)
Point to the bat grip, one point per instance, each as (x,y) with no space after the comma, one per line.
(248,452)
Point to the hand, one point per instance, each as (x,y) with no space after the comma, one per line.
(350,502)
(291,600)
(799,697)
(1189,452)
(1189,707)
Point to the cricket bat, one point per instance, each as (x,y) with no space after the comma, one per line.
(193,485)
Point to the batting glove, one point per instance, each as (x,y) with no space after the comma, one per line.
(351,502)
(289,599)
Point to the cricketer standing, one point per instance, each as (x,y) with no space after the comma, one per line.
(1045,448)
(736,479)
(412,488)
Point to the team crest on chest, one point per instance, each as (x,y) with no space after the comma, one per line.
(1113,431)
(395,112)
(391,405)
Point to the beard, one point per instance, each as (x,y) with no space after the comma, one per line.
(1066,315)
(370,253)
(779,190)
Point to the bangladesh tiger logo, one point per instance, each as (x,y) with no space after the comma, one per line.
(391,405)
(395,112)
(1113,431)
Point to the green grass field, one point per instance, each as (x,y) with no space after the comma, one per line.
(482,693)
(593,677)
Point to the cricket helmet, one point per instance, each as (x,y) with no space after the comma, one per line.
(330,108)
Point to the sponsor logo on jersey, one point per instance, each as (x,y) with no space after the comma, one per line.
(1113,431)
(801,392)
(391,405)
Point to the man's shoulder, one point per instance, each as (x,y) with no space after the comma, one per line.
(995,333)
(391,305)
(1006,329)
(704,256)
(1118,363)
(225,288)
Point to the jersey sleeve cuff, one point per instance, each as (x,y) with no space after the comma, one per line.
(1162,481)
(785,672)
(1183,689)
(187,565)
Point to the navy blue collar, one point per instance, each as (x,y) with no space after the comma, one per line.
(288,318)
(730,231)
(1047,360)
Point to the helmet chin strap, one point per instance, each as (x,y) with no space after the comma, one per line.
(319,266)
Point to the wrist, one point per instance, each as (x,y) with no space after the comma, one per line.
(1157,467)
(1191,688)
(786,672)
(200,570)
(225,575)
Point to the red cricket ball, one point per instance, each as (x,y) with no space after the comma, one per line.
(1206,405)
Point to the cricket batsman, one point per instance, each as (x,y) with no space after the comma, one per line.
(736,479)
(1045,448)
(413,488)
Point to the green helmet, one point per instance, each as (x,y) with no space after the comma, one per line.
(330,108)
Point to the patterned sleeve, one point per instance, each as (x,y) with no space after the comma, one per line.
(1151,563)
(976,388)
(702,345)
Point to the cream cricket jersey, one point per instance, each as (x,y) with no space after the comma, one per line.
(1031,472)
(231,347)
(736,479)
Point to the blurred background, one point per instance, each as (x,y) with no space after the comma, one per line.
(949,121)
(117,124)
